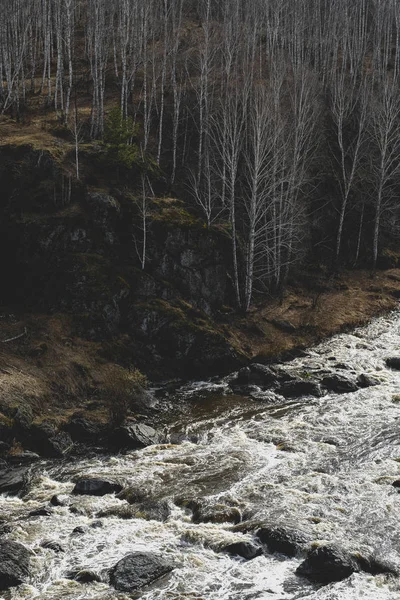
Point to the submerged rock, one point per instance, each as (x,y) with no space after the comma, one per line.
(339,384)
(14,564)
(138,569)
(150,511)
(245,550)
(52,545)
(83,576)
(244,390)
(283,540)
(217,513)
(95,487)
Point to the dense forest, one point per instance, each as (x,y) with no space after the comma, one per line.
(277,119)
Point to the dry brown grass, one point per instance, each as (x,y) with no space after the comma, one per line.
(352,299)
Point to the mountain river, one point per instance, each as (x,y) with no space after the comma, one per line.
(324,465)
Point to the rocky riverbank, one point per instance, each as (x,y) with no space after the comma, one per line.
(82,325)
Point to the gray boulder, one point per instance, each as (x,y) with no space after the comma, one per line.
(95,487)
(283,540)
(13,481)
(136,435)
(366,381)
(326,564)
(298,387)
(14,564)
(393,363)
(339,384)
(138,569)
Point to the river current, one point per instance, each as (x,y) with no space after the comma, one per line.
(325,465)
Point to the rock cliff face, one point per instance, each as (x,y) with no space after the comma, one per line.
(68,248)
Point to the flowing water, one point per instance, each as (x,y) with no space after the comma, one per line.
(324,465)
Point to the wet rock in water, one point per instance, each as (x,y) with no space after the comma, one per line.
(283,540)
(245,550)
(243,376)
(136,435)
(299,387)
(339,384)
(122,512)
(375,566)
(5,528)
(95,487)
(76,510)
(52,545)
(14,564)
(393,362)
(58,500)
(326,564)
(83,576)
(244,390)
(79,530)
(96,524)
(152,511)
(41,512)
(217,513)
(366,381)
(343,366)
(249,378)
(138,569)
(13,481)
(262,375)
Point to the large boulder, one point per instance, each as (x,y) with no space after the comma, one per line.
(326,564)
(365,381)
(262,375)
(83,430)
(339,384)
(298,387)
(95,487)
(136,435)
(283,540)
(13,481)
(138,569)
(14,564)
(393,362)
(46,439)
